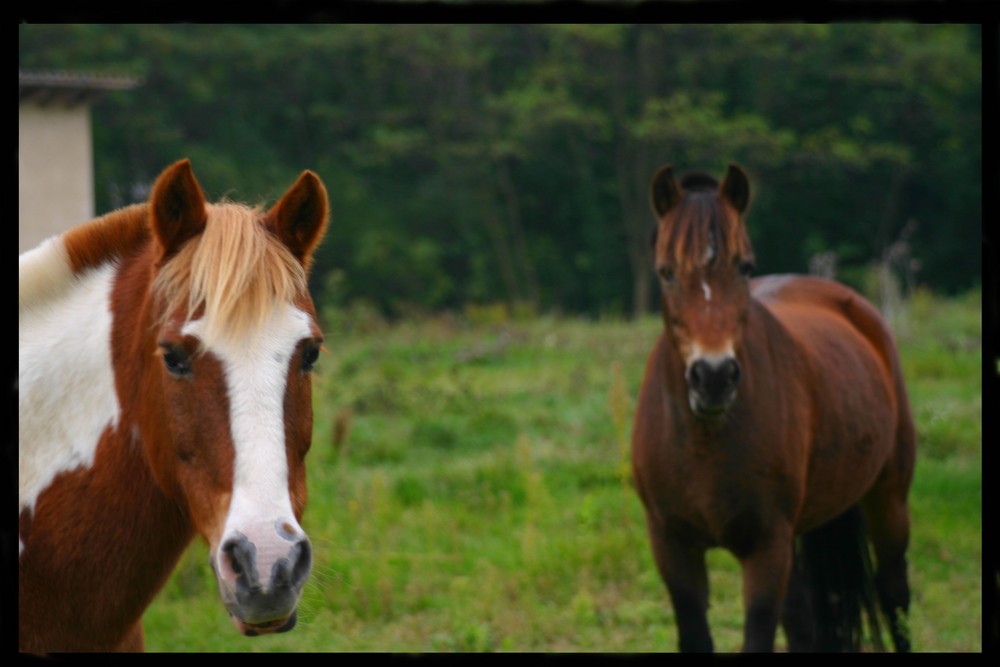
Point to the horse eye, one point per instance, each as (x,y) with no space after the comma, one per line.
(177,361)
(746,268)
(310,354)
(666,273)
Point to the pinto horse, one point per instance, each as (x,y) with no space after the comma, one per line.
(164,391)
(772,422)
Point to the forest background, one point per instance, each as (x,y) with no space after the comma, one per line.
(508,165)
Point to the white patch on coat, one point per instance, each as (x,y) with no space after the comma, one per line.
(43,273)
(766,288)
(65,381)
(707,290)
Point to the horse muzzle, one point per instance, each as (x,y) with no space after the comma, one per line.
(261,577)
(712,384)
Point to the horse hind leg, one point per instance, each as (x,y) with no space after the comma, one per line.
(894,596)
(888,520)
(889,531)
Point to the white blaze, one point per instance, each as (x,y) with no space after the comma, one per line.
(256,379)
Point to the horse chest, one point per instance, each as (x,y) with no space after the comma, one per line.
(723,493)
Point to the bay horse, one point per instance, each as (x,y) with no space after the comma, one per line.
(772,422)
(164,392)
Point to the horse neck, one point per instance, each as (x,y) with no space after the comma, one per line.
(94,520)
(104,539)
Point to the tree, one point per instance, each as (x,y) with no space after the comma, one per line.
(493,163)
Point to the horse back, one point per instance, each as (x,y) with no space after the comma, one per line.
(783,292)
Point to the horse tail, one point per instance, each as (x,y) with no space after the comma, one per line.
(839,575)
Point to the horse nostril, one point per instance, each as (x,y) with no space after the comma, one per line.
(734,371)
(302,562)
(239,555)
(696,377)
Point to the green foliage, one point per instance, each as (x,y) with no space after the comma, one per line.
(943,365)
(481,498)
(510,163)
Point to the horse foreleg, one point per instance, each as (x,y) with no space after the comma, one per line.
(681,563)
(134,641)
(765,579)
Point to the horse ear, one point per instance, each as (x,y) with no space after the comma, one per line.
(664,192)
(735,188)
(300,217)
(177,206)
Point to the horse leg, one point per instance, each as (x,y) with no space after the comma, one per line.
(797,616)
(888,522)
(765,578)
(133,641)
(680,560)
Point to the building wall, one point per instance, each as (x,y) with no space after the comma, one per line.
(55,170)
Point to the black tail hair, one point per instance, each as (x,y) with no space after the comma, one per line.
(839,574)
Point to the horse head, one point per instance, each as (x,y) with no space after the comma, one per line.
(224,405)
(703,259)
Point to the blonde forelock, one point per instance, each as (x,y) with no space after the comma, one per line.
(237,270)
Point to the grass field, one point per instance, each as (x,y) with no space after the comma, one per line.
(469,491)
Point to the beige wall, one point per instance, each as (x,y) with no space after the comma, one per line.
(55,166)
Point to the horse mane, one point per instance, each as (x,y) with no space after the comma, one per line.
(703,230)
(236,269)
(52,267)
(107,238)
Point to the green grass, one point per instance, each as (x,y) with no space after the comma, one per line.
(469,491)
